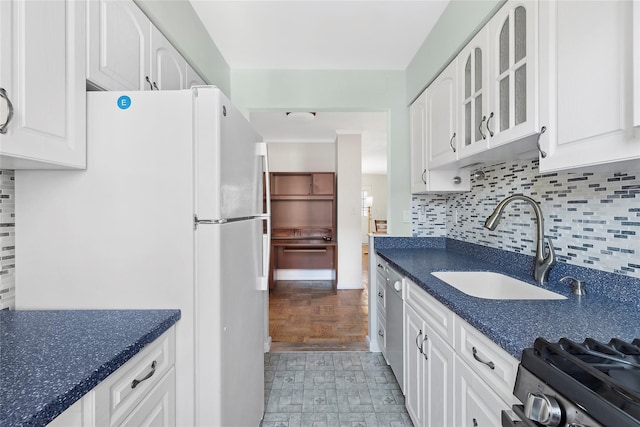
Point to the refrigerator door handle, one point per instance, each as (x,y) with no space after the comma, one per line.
(266,237)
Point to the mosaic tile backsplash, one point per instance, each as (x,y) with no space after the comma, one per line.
(7,240)
(592,219)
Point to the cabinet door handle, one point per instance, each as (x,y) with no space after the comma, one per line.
(155,86)
(149,81)
(424,178)
(381,333)
(475,356)
(417,345)
(451,142)
(3,95)
(380,294)
(475,422)
(422,347)
(488,121)
(543,154)
(305,251)
(135,382)
(484,136)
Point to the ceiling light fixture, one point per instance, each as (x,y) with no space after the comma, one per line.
(301,116)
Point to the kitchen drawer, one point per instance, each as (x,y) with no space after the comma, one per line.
(158,408)
(490,362)
(305,257)
(117,396)
(439,317)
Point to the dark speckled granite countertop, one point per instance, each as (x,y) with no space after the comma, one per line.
(50,359)
(515,324)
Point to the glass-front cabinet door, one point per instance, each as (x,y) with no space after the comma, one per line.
(473,97)
(513,73)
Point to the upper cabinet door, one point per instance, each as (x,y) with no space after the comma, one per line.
(42,74)
(636,63)
(118,45)
(442,118)
(417,118)
(168,68)
(513,35)
(587,84)
(473,96)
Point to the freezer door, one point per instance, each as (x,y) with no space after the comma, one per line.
(228,166)
(229,324)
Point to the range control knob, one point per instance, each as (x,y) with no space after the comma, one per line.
(543,409)
(397,285)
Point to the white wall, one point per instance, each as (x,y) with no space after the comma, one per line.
(377,187)
(349,176)
(301,157)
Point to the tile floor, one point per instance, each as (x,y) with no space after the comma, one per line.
(331,389)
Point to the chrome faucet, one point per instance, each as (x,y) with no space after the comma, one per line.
(544,263)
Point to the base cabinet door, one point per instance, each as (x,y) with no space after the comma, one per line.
(477,405)
(414,366)
(429,364)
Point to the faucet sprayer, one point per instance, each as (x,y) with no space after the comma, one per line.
(543,263)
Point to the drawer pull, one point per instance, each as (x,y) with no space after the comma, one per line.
(135,383)
(305,251)
(475,356)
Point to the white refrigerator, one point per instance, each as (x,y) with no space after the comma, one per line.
(168,214)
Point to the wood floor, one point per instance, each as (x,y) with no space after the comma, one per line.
(309,316)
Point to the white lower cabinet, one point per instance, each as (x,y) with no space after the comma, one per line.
(428,362)
(477,405)
(454,375)
(428,373)
(140,392)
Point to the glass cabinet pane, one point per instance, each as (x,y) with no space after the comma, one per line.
(478,69)
(521,94)
(504,47)
(467,123)
(467,78)
(520,33)
(504,103)
(478,122)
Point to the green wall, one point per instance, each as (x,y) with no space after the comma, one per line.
(179,23)
(311,90)
(455,28)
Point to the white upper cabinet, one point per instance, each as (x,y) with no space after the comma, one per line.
(118,45)
(423,178)
(417,119)
(473,96)
(42,76)
(442,118)
(587,84)
(168,68)
(636,63)
(513,73)
(127,52)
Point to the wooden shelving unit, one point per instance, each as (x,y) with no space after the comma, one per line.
(303,222)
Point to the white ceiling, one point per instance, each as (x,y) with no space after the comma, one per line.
(321,35)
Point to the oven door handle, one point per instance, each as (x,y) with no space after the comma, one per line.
(524,421)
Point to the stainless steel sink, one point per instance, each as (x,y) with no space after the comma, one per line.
(490,285)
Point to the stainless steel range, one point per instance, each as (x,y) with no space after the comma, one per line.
(573,384)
